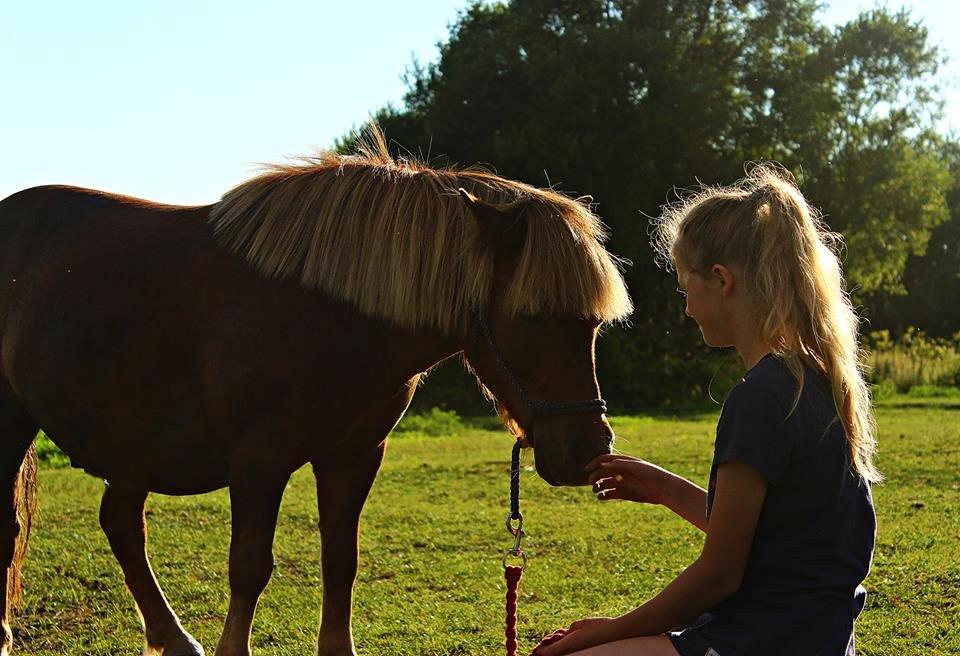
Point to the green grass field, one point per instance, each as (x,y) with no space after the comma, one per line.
(432,536)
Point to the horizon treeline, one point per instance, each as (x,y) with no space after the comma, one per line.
(636,101)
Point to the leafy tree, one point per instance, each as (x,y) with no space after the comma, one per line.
(932,279)
(624,99)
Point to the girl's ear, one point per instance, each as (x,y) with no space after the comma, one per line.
(725,277)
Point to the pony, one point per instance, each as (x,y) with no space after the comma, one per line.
(178,350)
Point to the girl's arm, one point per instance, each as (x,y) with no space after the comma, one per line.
(687,499)
(713,577)
(625,477)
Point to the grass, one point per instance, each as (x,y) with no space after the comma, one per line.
(432,537)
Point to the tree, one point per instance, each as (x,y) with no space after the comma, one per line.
(626,99)
(932,279)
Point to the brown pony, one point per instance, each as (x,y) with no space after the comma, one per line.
(183,349)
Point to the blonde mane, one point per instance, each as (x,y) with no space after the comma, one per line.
(394,239)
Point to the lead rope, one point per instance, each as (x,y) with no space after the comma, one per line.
(513,573)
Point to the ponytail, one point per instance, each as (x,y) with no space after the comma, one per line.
(794,278)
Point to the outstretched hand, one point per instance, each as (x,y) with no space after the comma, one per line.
(616,476)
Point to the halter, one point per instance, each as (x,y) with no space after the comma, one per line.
(535,407)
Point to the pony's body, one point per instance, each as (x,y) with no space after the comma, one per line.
(182,349)
(201,349)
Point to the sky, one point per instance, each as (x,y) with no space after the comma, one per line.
(177,101)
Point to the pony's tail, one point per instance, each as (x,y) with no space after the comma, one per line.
(25,506)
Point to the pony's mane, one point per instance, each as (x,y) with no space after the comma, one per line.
(395,239)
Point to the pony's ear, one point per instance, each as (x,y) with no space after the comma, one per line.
(504,227)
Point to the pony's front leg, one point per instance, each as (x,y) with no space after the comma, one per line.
(254,504)
(121,517)
(342,490)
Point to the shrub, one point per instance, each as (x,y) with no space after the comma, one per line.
(48,452)
(913,361)
(434,422)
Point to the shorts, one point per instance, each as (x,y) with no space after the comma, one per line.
(688,641)
(691,643)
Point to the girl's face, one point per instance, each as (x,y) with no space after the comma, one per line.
(704,296)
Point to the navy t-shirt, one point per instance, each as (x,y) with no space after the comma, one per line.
(814,539)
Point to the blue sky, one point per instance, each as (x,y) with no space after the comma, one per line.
(178,100)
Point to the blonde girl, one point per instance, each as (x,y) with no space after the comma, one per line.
(788,512)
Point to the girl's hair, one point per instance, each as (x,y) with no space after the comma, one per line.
(793,275)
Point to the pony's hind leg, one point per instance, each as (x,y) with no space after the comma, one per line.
(17,483)
(121,516)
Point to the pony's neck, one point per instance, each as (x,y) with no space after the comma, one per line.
(408,353)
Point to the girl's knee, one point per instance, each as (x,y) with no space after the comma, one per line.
(646,646)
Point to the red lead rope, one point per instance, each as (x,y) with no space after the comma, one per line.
(513,574)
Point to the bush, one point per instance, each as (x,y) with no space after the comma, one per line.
(435,422)
(934,392)
(48,452)
(883,390)
(913,361)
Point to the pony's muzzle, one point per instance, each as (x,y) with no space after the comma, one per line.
(564,446)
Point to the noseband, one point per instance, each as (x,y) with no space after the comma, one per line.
(535,407)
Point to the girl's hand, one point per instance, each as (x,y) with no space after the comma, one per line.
(582,634)
(616,476)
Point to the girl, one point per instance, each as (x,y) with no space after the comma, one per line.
(788,512)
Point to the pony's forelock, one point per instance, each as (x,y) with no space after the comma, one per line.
(393,238)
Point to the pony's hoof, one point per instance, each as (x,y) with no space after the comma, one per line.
(179,651)
(6,639)
(338,651)
(184,646)
(194,651)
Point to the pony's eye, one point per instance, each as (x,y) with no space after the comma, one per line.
(682,291)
